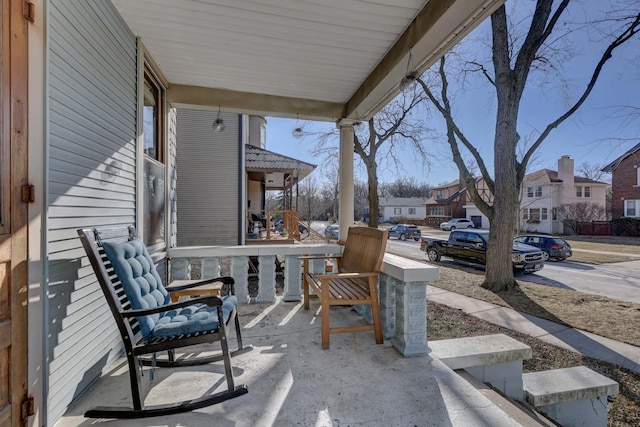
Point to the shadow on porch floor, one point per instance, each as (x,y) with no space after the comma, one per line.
(292,382)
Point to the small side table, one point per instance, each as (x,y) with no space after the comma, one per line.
(209,289)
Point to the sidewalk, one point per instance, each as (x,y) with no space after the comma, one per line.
(586,343)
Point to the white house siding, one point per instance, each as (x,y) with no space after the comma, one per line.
(472,211)
(549,200)
(389,206)
(91,182)
(209,179)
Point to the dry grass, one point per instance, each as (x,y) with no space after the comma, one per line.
(445,322)
(603,316)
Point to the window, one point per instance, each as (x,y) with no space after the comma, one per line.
(632,208)
(436,211)
(587,191)
(397,211)
(554,214)
(534,191)
(412,211)
(638,176)
(535,215)
(583,191)
(440,194)
(153,193)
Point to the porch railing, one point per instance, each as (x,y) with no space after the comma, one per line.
(402,284)
(274,225)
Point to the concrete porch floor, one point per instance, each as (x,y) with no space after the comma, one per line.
(293,382)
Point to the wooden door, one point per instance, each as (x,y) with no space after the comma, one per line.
(13,213)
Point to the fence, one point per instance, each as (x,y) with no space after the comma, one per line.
(594,228)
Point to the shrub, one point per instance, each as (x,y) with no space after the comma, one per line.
(626,227)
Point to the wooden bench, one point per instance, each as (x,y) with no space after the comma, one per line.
(494,359)
(355,282)
(574,396)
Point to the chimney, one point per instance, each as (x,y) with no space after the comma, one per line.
(565,172)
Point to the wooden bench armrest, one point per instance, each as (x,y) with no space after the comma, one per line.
(210,300)
(181,287)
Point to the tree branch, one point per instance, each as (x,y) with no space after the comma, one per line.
(627,34)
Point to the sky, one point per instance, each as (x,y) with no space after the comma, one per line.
(597,134)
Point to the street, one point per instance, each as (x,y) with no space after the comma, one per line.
(618,280)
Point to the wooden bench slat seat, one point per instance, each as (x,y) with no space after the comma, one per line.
(355,282)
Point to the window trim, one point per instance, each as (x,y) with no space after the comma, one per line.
(534,191)
(146,63)
(636,204)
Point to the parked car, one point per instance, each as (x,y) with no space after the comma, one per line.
(404,232)
(456,223)
(332,232)
(278,225)
(552,247)
(471,246)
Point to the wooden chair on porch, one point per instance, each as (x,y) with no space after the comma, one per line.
(355,282)
(150,323)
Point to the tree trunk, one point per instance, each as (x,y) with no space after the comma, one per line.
(499,265)
(374,203)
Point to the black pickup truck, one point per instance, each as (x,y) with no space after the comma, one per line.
(471,246)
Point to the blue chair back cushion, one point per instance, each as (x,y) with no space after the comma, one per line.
(144,289)
(139,278)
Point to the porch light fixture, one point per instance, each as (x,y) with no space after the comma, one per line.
(298,131)
(410,76)
(218,124)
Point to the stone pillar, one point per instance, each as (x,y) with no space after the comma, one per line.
(267,278)
(345,207)
(387,296)
(239,272)
(210,268)
(180,269)
(292,278)
(410,338)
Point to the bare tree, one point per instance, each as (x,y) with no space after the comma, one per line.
(572,213)
(393,126)
(514,57)
(405,187)
(382,142)
(593,171)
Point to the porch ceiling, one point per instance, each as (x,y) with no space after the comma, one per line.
(312,59)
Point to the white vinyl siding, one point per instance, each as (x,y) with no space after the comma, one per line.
(208,179)
(92,122)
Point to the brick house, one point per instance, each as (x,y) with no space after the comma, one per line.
(625,184)
(452,201)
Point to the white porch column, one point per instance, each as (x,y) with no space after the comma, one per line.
(345,208)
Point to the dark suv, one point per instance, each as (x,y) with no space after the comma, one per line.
(552,247)
(405,231)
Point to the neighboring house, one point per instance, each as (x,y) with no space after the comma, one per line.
(625,184)
(400,209)
(544,192)
(452,201)
(210,214)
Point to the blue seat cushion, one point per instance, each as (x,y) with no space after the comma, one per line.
(139,278)
(194,318)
